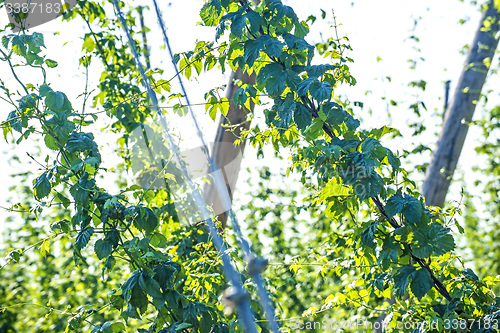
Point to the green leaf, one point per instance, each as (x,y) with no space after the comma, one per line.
(421,283)
(145,219)
(256,21)
(33,58)
(83,238)
(18,45)
(240,97)
(221,27)
(238,23)
(368,235)
(14,121)
(412,210)
(394,161)
(88,44)
(292,79)
(42,186)
(253,48)
(37,39)
(318,70)
(103,249)
(301,116)
(44,248)
(165,275)
(82,190)
(62,225)
(301,29)
(432,239)
(321,90)
(5,41)
(82,142)
(303,87)
(283,112)
(389,253)
(210,12)
(158,240)
(401,280)
(368,187)
(422,249)
(44,90)
(54,100)
(51,63)
(113,237)
(50,142)
(150,286)
(275,86)
(469,273)
(295,42)
(373,148)
(394,205)
(109,327)
(134,294)
(271,70)
(274,47)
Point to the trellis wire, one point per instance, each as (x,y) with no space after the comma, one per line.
(241,301)
(255,264)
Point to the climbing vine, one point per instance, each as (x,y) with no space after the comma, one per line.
(164,276)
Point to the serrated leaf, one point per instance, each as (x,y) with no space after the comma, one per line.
(80,142)
(401,280)
(393,160)
(255,20)
(422,249)
(37,39)
(238,23)
(44,90)
(83,238)
(82,190)
(284,112)
(44,248)
(421,283)
(5,41)
(275,86)
(412,210)
(301,116)
(321,90)
(103,249)
(369,186)
(368,235)
(394,205)
(145,219)
(210,12)
(54,101)
(14,122)
(268,71)
(150,286)
(18,45)
(165,275)
(303,87)
(295,42)
(301,29)
(274,47)
(42,186)
(253,48)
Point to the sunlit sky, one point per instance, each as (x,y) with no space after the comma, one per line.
(379,35)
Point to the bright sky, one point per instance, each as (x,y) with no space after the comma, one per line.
(375,29)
